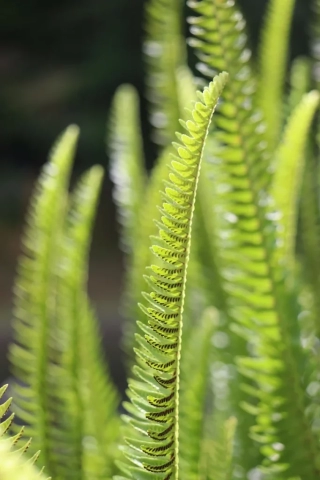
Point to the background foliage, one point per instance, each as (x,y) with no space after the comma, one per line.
(60,62)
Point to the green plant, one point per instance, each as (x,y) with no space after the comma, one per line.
(222,245)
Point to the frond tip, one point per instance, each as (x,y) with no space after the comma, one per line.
(153,443)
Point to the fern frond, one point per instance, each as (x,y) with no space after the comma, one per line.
(86,426)
(195,366)
(14,466)
(300,77)
(219,451)
(164,52)
(310,233)
(273,57)
(34,296)
(127,169)
(264,311)
(220,41)
(153,442)
(290,159)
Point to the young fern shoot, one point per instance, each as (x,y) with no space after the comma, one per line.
(153,443)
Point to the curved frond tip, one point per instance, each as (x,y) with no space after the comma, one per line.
(152,445)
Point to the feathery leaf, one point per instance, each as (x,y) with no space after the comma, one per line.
(80,385)
(127,169)
(164,52)
(273,62)
(220,451)
(153,444)
(29,354)
(290,159)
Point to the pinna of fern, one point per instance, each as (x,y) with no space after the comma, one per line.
(14,463)
(153,442)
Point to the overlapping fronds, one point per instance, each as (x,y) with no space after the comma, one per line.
(127,169)
(195,380)
(264,313)
(153,442)
(164,51)
(273,57)
(219,451)
(86,426)
(220,42)
(15,466)
(35,295)
(289,169)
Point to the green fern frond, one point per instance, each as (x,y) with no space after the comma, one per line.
(220,42)
(289,168)
(153,442)
(164,52)
(14,466)
(263,311)
(34,296)
(239,143)
(310,233)
(300,77)
(219,452)
(86,426)
(195,367)
(127,169)
(273,57)
(186,90)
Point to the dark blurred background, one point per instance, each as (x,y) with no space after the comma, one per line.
(60,63)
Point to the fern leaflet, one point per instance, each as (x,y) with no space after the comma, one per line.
(289,172)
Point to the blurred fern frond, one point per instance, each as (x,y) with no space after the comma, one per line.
(289,169)
(35,297)
(78,366)
(273,60)
(164,51)
(127,169)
